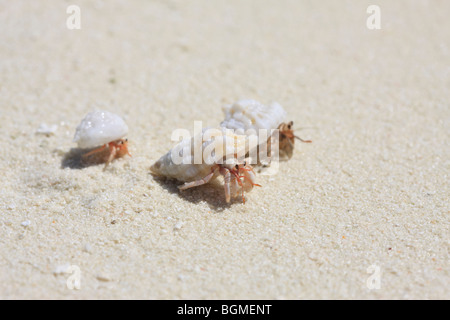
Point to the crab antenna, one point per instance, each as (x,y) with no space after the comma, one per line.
(305,141)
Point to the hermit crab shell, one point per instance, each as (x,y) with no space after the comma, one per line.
(99,128)
(182,164)
(250,114)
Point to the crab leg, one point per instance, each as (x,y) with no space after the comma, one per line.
(112,155)
(95,151)
(200,182)
(226,183)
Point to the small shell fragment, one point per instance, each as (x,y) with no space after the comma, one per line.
(25,223)
(47,130)
(99,128)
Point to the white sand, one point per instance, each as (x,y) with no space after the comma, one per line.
(371,190)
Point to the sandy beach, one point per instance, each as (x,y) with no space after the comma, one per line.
(362,212)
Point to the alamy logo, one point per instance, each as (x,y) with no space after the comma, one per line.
(74,280)
(374,280)
(74,20)
(374,20)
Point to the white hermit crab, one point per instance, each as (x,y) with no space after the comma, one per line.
(179,163)
(249,116)
(104,130)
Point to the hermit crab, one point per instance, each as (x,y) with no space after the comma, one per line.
(238,178)
(180,163)
(250,117)
(104,131)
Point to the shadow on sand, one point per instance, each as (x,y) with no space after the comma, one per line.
(74,159)
(212,193)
